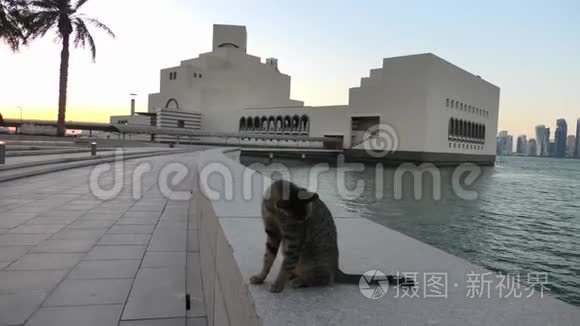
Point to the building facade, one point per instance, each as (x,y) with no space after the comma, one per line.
(504,143)
(433,107)
(561,136)
(571,146)
(532,148)
(541,141)
(522,145)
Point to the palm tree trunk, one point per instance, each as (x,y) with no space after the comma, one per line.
(64,58)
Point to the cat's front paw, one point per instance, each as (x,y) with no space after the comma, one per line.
(297,283)
(276,288)
(257,279)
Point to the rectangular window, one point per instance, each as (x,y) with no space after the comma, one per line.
(180,124)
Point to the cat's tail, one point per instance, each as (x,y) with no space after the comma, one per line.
(341,277)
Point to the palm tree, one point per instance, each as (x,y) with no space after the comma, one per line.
(13,15)
(64,16)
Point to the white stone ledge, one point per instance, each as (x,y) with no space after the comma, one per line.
(232,245)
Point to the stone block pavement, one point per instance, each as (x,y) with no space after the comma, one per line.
(70,258)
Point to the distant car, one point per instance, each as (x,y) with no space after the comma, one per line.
(4,130)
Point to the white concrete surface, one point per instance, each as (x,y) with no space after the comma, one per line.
(231,248)
(70,258)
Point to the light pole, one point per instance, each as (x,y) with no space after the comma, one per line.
(132,103)
(20,108)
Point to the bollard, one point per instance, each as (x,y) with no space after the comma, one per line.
(93,148)
(2,152)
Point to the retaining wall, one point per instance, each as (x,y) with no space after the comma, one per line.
(232,242)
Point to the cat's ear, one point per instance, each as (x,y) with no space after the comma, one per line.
(307,196)
(284,204)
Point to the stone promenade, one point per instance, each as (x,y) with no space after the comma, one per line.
(68,257)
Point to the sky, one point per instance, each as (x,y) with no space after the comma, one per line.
(530,49)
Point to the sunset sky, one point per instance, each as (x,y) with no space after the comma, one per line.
(531,49)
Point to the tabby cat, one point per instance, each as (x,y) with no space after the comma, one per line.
(303,224)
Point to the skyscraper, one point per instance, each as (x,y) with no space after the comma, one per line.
(522,145)
(504,143)
(561,138)
(546,142)
(578,138)
(541,141)
(532,148)
(571,146)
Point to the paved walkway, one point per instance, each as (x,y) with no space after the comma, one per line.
(40,158)
(70,258)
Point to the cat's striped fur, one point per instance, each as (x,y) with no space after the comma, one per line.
(302,224)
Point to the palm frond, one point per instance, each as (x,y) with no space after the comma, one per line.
(83,36)
(12,22)
(102,26)
(41,22)
(46,4)
(79,4)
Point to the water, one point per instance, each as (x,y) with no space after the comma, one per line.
(526,217)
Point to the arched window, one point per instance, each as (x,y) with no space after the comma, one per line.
(470,133)
(172,104)
(271,125)
(264,124)
(242,124)
(250,124)
(450,129)
(305,124)
(455,127)
(287,124)
(295,123)
(452,103)
(447,103)
(279,124)
(257,125)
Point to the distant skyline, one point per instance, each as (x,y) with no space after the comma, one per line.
(528,48)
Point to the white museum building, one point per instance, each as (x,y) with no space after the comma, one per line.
(438,110)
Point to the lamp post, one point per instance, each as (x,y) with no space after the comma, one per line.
(132,103)
(20,108)
(2,152)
